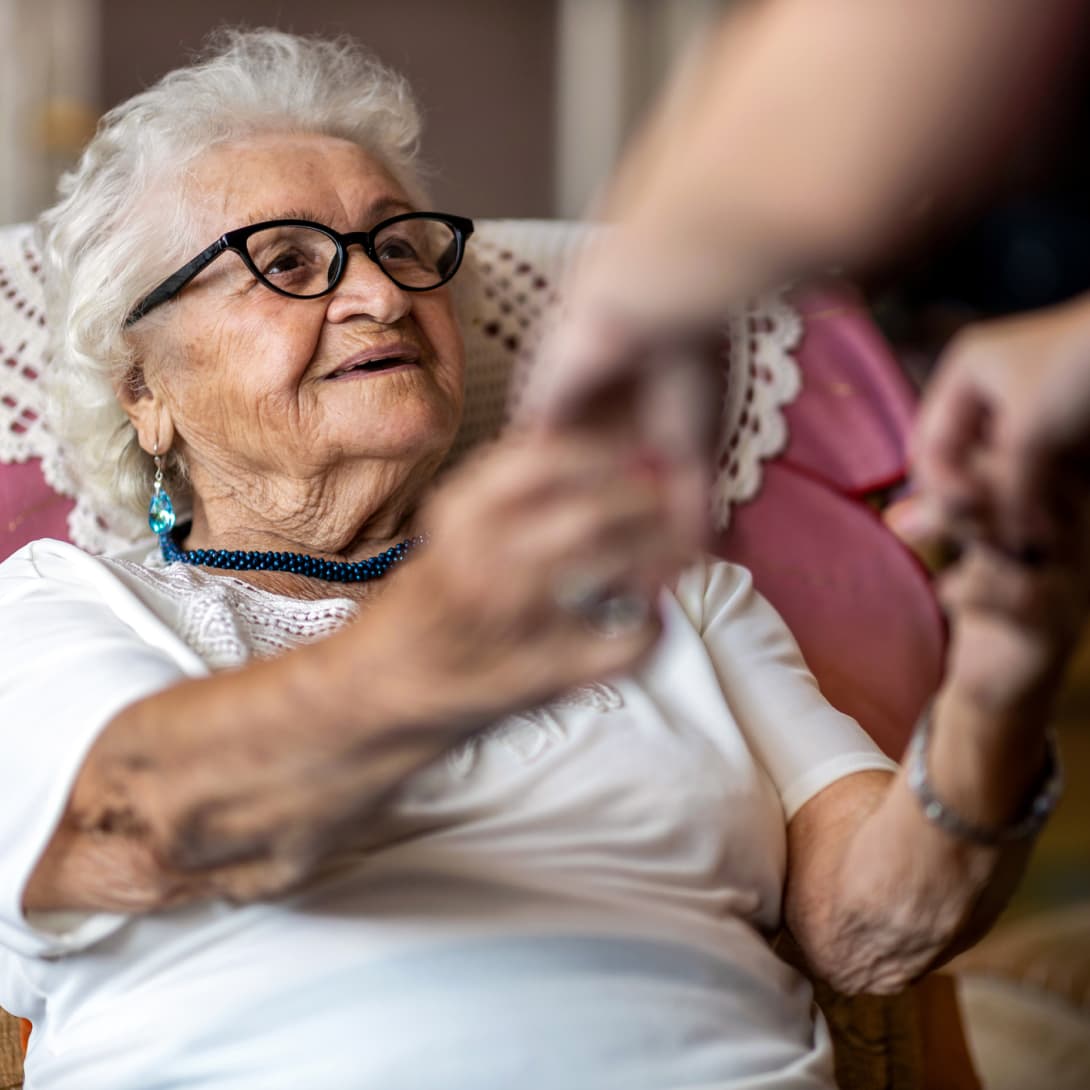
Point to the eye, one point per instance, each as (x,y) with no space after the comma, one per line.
(410,251)
(287,261)
(295,259)
(397,248)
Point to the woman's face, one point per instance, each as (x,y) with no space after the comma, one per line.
(257,386)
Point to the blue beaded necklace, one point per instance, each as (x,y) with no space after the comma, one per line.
(332,571)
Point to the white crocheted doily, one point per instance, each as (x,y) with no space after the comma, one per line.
(517,269)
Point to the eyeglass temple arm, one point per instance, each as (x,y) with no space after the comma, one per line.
(176,281)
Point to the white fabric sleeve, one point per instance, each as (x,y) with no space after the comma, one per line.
(798,737)
(69,663)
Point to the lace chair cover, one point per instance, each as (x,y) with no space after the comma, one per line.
(518,266)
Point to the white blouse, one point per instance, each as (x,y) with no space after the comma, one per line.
(577,897)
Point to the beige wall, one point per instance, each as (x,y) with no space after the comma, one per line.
(48,85)
(527,102)
(483,69)
(613,57)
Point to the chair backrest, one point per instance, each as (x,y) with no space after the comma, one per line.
(815,419)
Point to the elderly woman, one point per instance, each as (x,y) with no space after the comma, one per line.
(359,780)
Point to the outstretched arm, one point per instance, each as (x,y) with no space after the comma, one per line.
(804,134)
(878,892)
(239,784)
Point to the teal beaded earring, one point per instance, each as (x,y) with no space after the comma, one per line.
(160,510)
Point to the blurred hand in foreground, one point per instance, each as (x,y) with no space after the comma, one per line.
(1003,439)
(658,392)
(798,135)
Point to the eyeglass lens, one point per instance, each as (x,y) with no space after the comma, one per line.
(417,253)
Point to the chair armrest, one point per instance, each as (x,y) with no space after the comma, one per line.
(11,1052)
(910,1041)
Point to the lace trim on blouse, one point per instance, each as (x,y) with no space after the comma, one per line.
(227,622)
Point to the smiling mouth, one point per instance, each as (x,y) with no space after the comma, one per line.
(375,366)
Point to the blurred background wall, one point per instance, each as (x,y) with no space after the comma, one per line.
(483,70)
(526,103)
(49,92)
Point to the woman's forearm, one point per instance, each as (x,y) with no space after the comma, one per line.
(816,133)
(899,895)
(237,784)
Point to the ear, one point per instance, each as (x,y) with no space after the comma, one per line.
(147,412)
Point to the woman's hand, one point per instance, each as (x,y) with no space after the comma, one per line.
(516,536)
(1015,617)
(999,463)
(877,891)
(1013,627)
(308,747)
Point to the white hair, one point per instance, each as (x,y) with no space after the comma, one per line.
(107,242)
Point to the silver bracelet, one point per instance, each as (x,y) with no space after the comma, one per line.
(939,814)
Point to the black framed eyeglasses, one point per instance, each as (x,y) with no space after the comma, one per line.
(418,251)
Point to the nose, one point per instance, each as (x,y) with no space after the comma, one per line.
(365,291)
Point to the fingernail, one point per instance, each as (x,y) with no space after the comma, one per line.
(910,518)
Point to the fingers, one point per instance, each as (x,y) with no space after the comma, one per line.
(627,518)
(921,527)
(1025,493)
(951,422)
(987,581)
(662,401)
(1013,629)
(679,417)
(1003,423)
(546,559)
(955,422)
(584,353)
(611,532)
(520,472)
